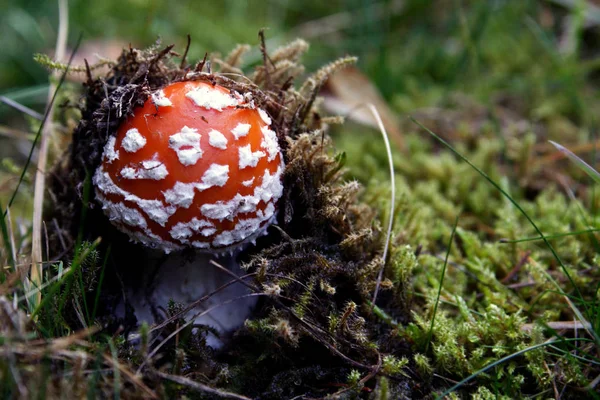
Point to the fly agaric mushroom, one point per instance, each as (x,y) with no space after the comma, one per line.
(197,166)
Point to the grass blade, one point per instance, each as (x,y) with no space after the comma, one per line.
(7,244)
(100,281)
(68,278)
(587,168)
(552,236)
(437,300)
(390,226)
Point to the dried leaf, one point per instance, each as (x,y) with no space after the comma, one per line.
(349,88)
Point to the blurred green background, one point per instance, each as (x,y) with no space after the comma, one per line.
(537,58)
(336,28)
(416,51)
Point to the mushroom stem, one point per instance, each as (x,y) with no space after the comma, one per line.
(185,278)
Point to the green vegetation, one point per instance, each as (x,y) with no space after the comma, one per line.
(491,285)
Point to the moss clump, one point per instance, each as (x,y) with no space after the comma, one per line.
(498,293)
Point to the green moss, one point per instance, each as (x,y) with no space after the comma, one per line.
(423,365)
(494,284)
(394,366)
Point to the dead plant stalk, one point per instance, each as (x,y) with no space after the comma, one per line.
(40,176)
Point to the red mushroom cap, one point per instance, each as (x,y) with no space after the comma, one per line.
(196,166)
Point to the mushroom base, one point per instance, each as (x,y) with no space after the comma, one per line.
(223,304)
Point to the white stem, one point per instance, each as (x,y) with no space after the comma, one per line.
(185,279)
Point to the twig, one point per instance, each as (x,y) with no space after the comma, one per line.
(58,230)
(187,48)
(263,50)
(592,385)
(20,107)
(516,268)
(200,65)
(88,73)
(16,133)
(130,376)
(161,54)
(200,387)
(555,388)
(63,343)
(521,285)
(559,325)
(374,371)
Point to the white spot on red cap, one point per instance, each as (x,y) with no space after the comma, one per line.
(245,204)
(215,175)
(186,144)
(150,239)
(223,239)
(160,100)
(248,182)
(269,142)
(209,98)
(133,141)
(246,228)
(249,158)
(120,213)
(155,209)
(181,195)
(183,230)
(270,187)
(269,211)
(217,139)
(150,169)
(201,245)
(180,231)
(196,224)
(110,153)
(264,116)
(208,231)
(240,130)
(269,190)
(219,210)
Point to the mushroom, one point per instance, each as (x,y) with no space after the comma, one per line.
(198,166)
